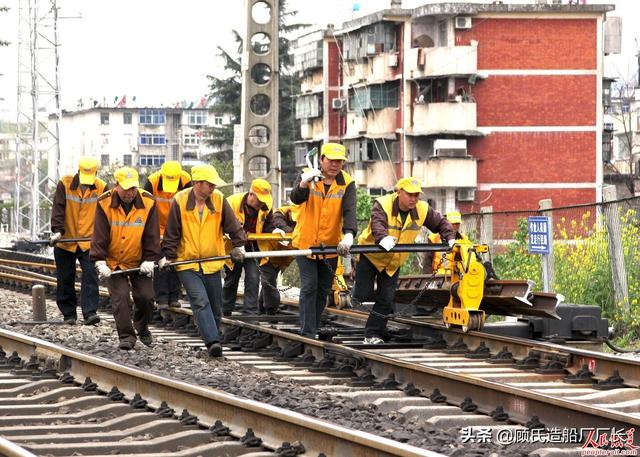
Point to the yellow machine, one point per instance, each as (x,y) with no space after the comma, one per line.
(466,277)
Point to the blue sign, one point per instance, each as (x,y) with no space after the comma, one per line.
(539,235)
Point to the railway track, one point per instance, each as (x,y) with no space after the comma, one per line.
(444,377)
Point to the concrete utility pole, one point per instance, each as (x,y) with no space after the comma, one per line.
(259,119)
(38,95)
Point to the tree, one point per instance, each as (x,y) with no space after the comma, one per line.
(225,94)
(624,113)
(4,9)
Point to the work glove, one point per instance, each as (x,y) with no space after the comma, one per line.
(388,242)
(282,233)
(237,254)
(163,263)
(345,244)
(147,267)
(452,242)
(54,237)
(103,270)
(308,176)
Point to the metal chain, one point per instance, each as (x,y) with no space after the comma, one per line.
(263,280)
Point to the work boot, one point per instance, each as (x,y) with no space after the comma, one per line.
(126,345)
(214,350)
(175,304)
(144,335)
(92,319)
(70,320)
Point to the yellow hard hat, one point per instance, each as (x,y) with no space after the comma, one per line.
(410,185)
(262,189)
(127,177)
(454,217)
(333,151)
(170,171)
(206,173)
(87,168)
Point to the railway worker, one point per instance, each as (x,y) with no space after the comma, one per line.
(284,220)
(327,199)
(435,262)
(395,218)
(72,216)
(198,219)
(253,211)
(163,185)
(126,235)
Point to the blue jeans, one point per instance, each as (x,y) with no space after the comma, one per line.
(66,297)
(315,284)
(251,286)
(205,295)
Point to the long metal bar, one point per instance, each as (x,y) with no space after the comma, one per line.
(61,240)
(318,251)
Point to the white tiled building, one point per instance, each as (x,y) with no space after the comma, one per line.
(140,137)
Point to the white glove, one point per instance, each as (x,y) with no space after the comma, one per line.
(282,233)
(54,237)
(345,244)
(103,270)
(309,175)
(388,242)
(163,263)
(452,242)
(147,267)
(237,254)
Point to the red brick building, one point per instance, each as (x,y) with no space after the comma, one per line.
(489,104)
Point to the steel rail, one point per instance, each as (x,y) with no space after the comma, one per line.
(273,424)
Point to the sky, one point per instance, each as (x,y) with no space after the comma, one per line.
(161,51)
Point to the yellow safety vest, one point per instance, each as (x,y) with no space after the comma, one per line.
(320,217)
(79,212)
(201,237)
(405,233)
(235,201)
(125,244)
(164,198)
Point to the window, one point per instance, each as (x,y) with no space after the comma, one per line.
(217,120)
(374,97)
(151,116)
(308,107)
(126,160)
(191,139)
(196,117)
(105,139)
(104,160)
(152,139)
(104,118)
(151,160)
(127,118)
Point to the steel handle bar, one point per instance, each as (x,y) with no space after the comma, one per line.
(321,250)
(61,240)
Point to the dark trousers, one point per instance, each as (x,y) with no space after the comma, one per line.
(363,290)
(205,296)
(66,275)
(269,294)
(251,286)
(141,288)
(167,286)
(315,284)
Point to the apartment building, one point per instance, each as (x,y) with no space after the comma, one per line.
(489,104)
(139,137)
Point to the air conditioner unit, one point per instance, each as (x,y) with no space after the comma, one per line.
(463,22)
(338,103)
(466,195)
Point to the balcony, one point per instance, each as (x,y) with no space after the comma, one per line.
(356,124)
(374,70)
(381,123)
(442,61)
(451,117)
(312,130)
(447,172)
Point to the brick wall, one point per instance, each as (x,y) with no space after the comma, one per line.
(535,157)
(533,43)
